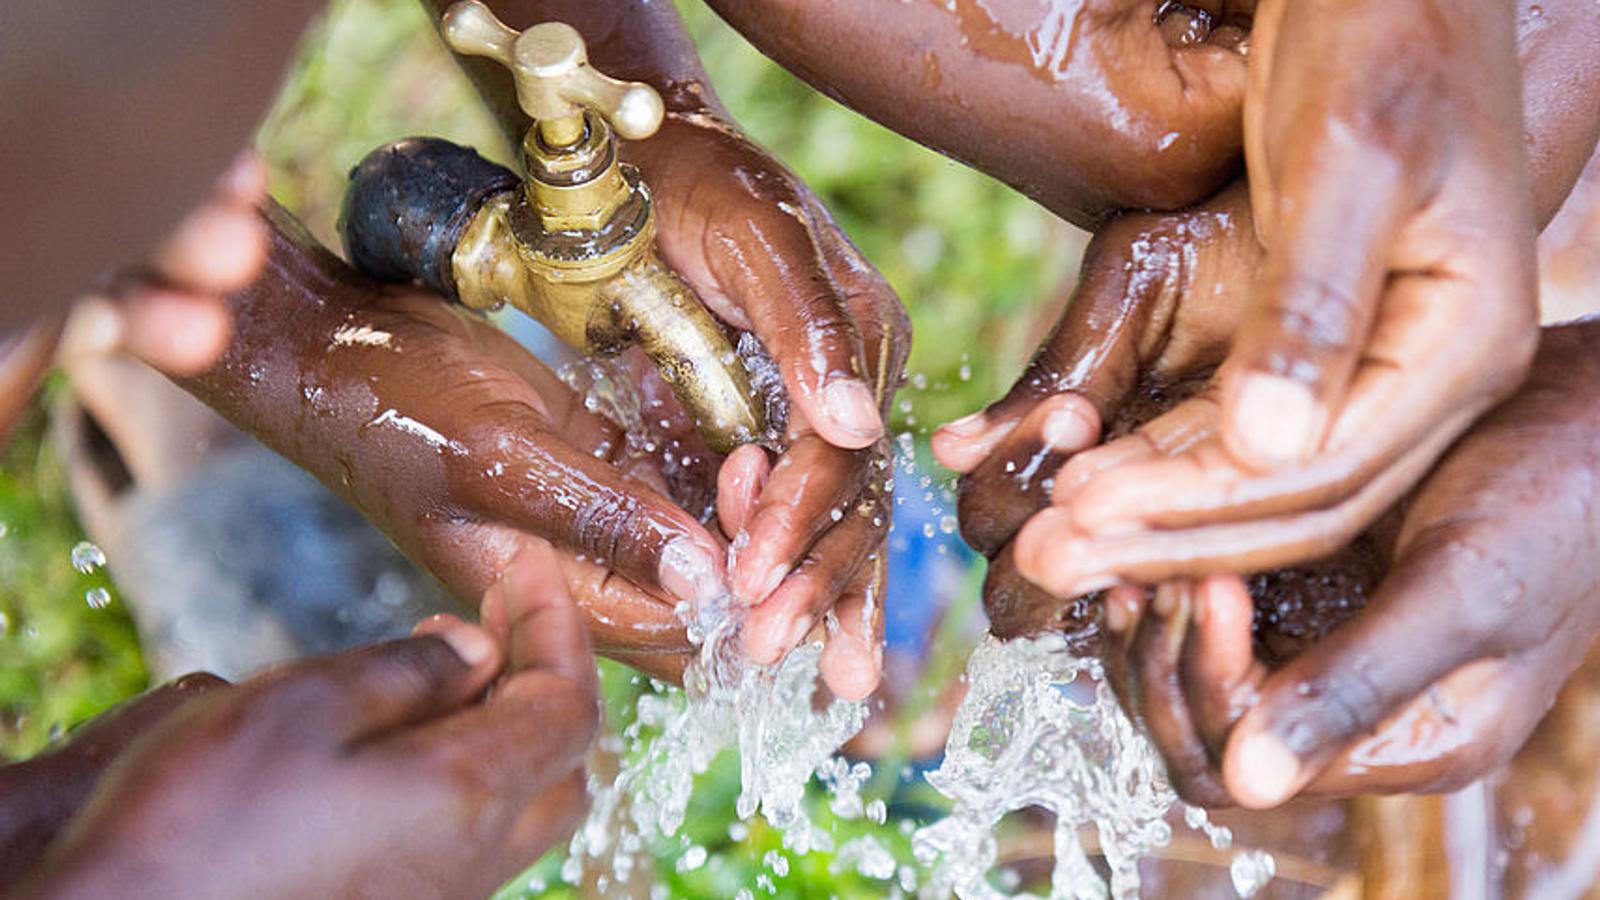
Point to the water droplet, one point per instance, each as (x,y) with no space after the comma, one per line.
(692,858)
(1251,870)
(97,598)
(947,524)
(777,862)
(86,557)
(877,812)
(4,529)
(836,514)
(965,372)
(927,529)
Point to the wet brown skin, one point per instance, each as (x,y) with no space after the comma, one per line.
(1446,340)
(1162,295)
(386,771)
(1492,558)
(455,441)
(1087,108)
(42,794)
(758,247)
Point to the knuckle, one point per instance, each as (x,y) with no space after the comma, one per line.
(1322,315)
(1343,706)
(424,665)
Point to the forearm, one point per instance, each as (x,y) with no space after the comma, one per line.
(1084,109)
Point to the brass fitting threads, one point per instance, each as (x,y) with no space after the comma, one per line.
(575,248)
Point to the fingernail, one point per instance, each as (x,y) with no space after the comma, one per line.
(1273,770)
(470,643)
(1066,430)
(689,572)
(967,426)
(852,406)
(765,585)
(1276,418)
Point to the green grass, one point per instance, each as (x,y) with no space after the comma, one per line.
(975,263)
(63,661)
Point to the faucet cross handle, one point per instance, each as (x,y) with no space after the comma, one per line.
(555,82)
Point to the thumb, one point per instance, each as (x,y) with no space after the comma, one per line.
(1315,300)
(1345,685)
(361,693)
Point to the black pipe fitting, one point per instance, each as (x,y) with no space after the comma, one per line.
(407,205)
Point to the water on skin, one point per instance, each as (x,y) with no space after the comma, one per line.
(1039,727)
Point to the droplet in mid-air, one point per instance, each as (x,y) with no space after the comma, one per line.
(86,557)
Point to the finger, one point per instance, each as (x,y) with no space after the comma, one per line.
(217,249)
(1219,668)
(1054,552)
(24,357)
(1339,689)
(104,737)
(356,695)
(619,615)
(852,654)
(1315,299)
(1017,608)
(781,621)
(178,333)
(1453,733)
(879,316)
(1014,481)
(1419,388)
(531,609)
(758,241)
(1155,653)
(547,488)
(811,488)
(538,724)
(1125,607)
(1094,349)
(244,183)
(1169,437)
(740,482)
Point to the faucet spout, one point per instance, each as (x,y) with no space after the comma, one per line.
(652,307)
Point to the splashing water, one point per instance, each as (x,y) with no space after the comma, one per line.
(1041,728)
(766,712)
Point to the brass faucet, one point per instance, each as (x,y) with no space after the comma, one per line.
(574,246)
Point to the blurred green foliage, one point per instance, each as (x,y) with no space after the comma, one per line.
(61,660)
